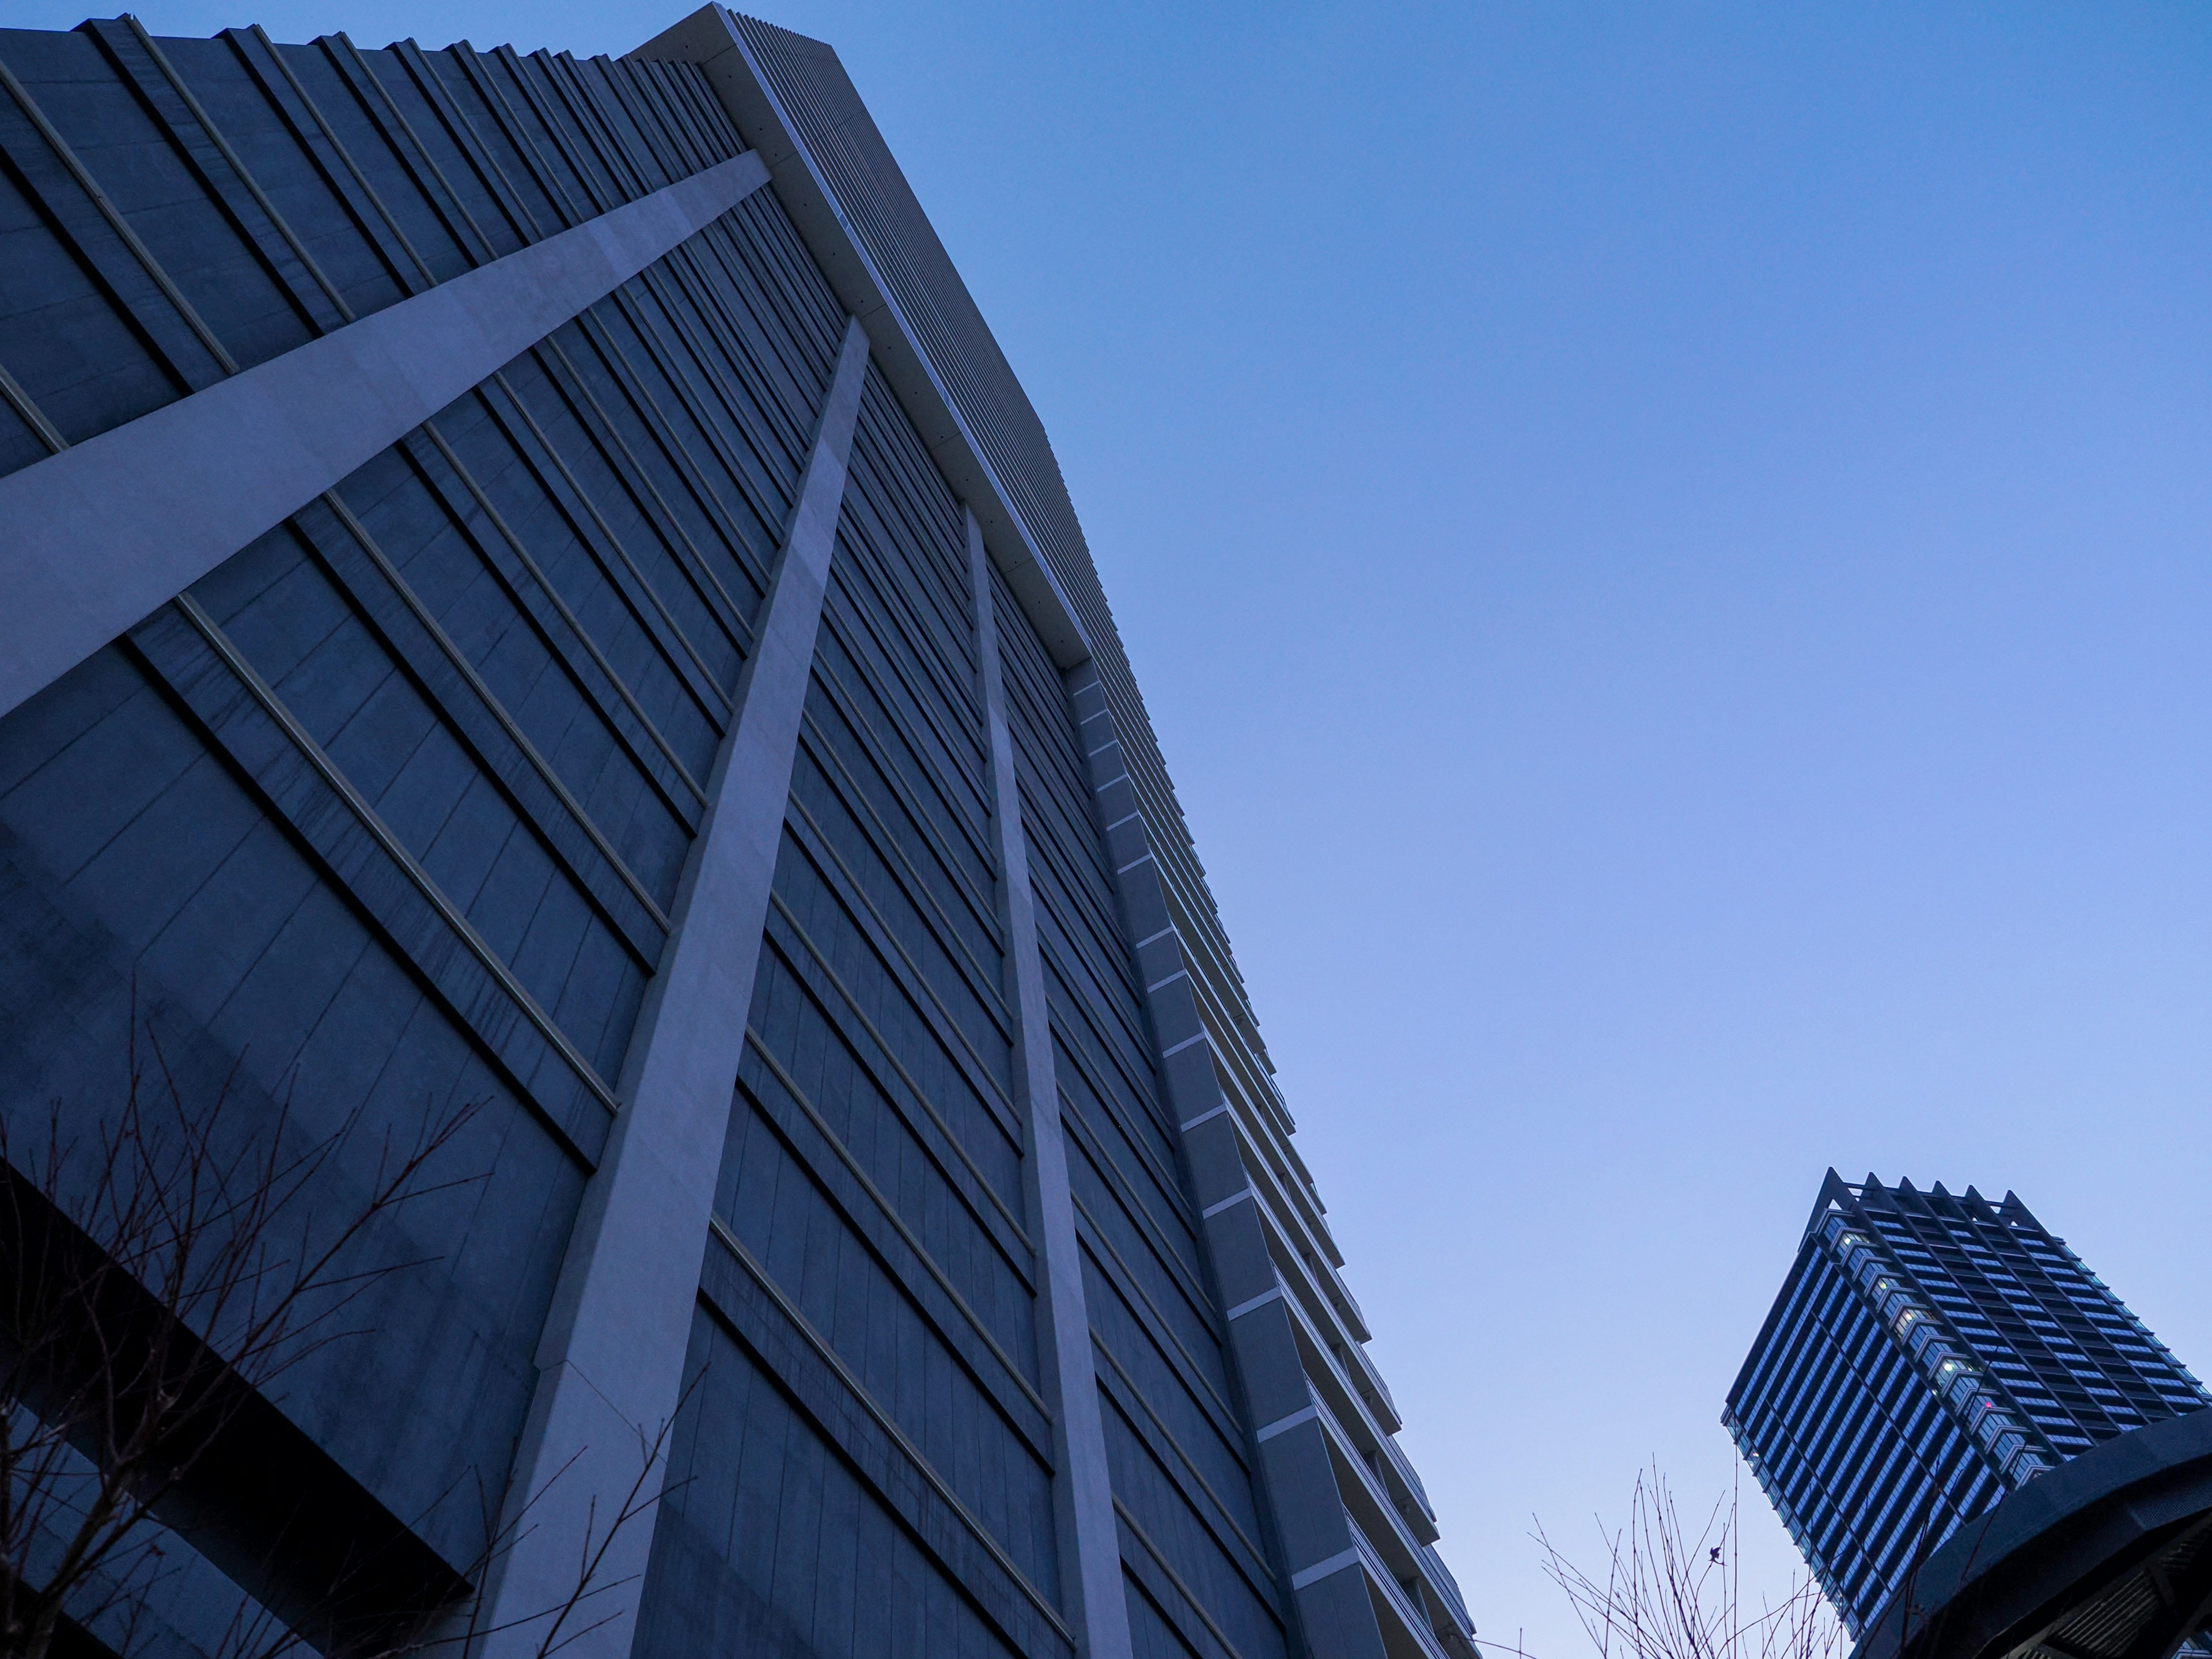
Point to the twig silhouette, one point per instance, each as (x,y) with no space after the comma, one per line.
(1664,1595)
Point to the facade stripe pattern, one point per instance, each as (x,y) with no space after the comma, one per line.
(691,733)
(1929,1354)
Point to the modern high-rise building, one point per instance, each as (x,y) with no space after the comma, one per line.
(528,591)
(1928,1354)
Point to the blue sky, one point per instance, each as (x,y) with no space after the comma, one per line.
(1666,549)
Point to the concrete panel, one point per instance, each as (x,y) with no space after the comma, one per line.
(93,538)
(1192,1085)
(1211,1156)
(1159,956)
(1338,1618)
(1144,901)
(1309,1516)
(1174,1009)
(611,1362)
(1243,1268)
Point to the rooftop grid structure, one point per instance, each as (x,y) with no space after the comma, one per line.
(529,581)
(1929,1353)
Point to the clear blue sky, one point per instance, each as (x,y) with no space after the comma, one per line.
(1666,546)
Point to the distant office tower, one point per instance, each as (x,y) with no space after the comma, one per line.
(530,581)
(1928,1354)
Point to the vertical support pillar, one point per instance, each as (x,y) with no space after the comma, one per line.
(1320,1554)
(610,1361)
(1089,1549)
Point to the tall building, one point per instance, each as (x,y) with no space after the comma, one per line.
(528,582)
(1929,1353)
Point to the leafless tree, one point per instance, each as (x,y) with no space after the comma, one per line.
(160,1268)
(1662,1594)
(584,1608)
(163,1266)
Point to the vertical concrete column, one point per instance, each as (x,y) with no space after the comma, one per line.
(1089,1549)
(610,1361)
(1312,1528)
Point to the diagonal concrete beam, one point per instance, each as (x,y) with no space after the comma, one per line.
(94,538)
(610,1360)
(1089,1544)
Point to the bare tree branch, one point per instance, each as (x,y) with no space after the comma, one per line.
(1663,1594)
(160,1270)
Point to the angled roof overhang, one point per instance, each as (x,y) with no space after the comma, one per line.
(2108,1556)
(858,245)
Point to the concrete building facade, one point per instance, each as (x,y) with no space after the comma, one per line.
(1929,1353)
(526,583)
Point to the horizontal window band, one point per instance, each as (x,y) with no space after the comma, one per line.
(770,1324)
(1174,1463)
(1129,1398)
(1153,1323)
(186,651)
(829,865)
(1185,1607)
(96,538)
(804,958)
(420,643)
(859,1176)
(460,495)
